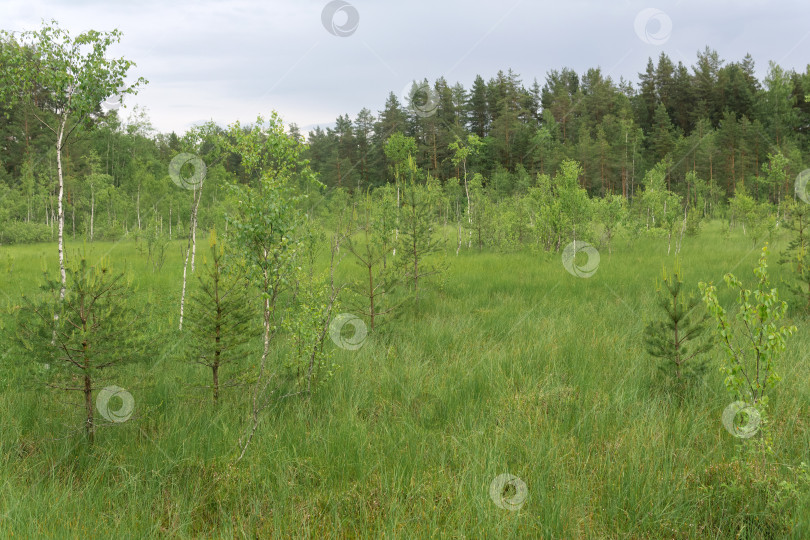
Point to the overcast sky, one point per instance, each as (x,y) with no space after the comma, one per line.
(229,60)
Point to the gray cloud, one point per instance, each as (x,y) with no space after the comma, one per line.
(230,60)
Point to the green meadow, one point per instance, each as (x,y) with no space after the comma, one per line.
(508,365)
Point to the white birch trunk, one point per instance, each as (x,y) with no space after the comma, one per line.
(60,210)
(183,294)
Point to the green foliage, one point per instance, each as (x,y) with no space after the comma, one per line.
(573,204)
(97,330)
(417,237)
(694,221)
(221,317)
(661,208)
(757,219)
(511,228)
(744,499)
(369,247)
(399,149)
(384,219)
(797,253)
(753,340)
(313,303)
(268,216)
(480,214)
(610,211)
(680,338)
(74,70)
(152,243)
(559,209)
(19,232)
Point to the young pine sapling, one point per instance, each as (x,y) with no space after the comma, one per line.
(219,317)
(417,236)
(679,338)
(97,329)
(369,252)
(797,253)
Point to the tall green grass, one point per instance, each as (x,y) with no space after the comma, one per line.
(509,365)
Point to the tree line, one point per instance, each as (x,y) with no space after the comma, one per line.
(714,129)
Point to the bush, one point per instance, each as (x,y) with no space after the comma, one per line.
(20,232)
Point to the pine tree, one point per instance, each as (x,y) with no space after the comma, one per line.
(97,329)
(370,251)
(797,252)
(219,317)
(679,338)
(417,238)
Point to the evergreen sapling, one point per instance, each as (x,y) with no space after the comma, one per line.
(679,338)
(219,317)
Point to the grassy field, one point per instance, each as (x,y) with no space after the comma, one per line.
(510,365)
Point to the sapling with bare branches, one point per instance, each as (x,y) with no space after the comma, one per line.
(219,317)
(98,329)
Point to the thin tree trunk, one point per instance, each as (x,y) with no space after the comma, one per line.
(92,209)
(194,227)
(215,369)
(258,388)
(89,426)
(60,211)
(396,229)
(193,243)
(458,221)
(183,294)
(192,246)
(371,295)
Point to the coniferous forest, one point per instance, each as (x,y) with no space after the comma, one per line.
(713,127)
